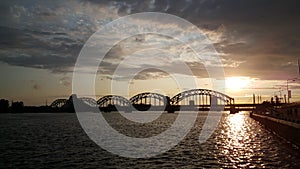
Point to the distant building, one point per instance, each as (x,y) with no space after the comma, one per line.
(4,104)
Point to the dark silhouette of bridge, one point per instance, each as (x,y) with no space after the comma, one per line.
(195,99)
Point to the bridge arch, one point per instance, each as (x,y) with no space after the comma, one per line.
(113,100)
(149,98)
(201,97)
(58,103)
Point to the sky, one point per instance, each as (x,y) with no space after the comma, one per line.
(258,42)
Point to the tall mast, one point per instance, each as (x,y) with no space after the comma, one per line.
(298,67)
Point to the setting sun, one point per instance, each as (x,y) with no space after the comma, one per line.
(237,83)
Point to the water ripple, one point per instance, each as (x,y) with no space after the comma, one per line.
(57,140)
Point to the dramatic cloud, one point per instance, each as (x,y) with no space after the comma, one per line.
(259,38)
(48,35)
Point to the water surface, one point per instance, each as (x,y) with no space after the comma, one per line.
(57,140)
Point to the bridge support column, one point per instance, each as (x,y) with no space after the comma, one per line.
(233,110)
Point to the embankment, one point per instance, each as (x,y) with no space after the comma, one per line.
(286,129)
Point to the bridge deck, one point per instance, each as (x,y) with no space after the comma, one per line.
(172,108)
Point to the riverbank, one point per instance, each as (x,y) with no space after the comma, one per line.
(286,129)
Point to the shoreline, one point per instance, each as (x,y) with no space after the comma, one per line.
(286,129)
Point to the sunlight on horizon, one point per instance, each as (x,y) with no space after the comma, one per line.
(237,83)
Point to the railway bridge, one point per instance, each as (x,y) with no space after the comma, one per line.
(195,99)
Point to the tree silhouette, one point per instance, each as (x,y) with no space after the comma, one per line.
(17,107)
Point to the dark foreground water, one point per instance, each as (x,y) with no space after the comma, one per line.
(58,141)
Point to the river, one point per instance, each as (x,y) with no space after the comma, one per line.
(46,140)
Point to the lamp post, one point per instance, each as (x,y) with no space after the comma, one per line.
(289,92)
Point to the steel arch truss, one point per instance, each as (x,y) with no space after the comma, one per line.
(148,98)
(202,97)
(58,103)
(113,100)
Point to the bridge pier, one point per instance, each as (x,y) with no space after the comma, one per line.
(233,110)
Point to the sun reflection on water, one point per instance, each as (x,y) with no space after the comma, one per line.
(236,131)
(237,147)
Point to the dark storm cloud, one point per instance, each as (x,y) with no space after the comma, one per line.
(43,34)
(262,36)
(54,51)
